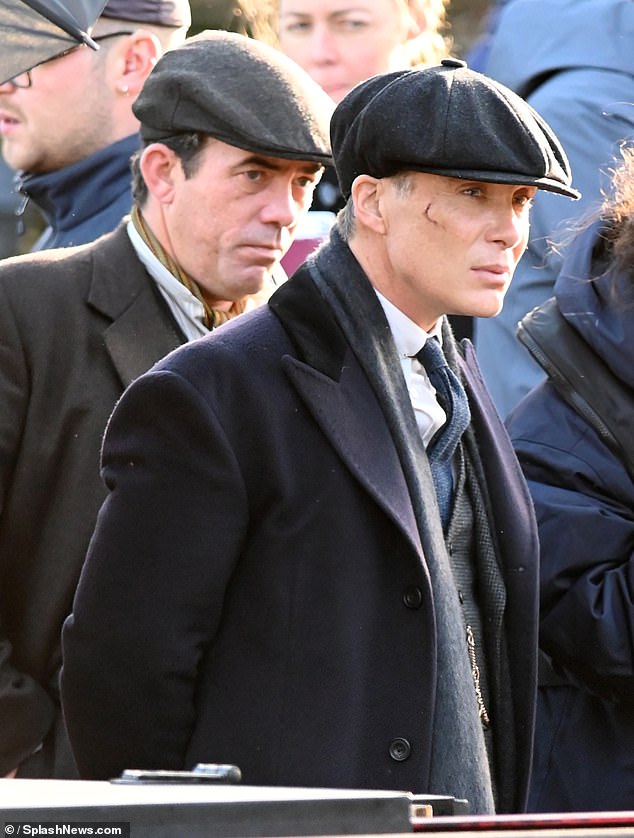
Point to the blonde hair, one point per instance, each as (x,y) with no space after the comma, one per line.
(618,207)
(433,43)
(429,17)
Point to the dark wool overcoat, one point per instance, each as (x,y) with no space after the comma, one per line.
(76,326)
(255,592)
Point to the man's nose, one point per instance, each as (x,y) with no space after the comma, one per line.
(509,228)
(282,206)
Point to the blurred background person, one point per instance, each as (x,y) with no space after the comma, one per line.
(67,125)
(478,52)
(573,60)
(253,18)
(341,44)
(8,205)
(576,448)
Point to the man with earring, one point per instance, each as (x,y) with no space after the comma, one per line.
(67,125)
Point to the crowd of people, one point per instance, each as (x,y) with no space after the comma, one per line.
(294,519)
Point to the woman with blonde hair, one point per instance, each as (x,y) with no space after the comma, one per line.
(343,42)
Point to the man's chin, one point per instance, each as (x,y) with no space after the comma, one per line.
(13,158)
(486,309)
(254,279)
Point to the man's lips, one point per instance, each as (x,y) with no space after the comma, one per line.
(7,121)
(495,269)
(266,252)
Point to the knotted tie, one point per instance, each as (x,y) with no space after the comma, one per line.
(453,399)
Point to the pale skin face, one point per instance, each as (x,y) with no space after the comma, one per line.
(78,104)
(343,42)
(441,245)
(232,220)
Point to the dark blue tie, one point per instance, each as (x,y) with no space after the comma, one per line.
(453,399)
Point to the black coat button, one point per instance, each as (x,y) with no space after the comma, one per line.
(413,596)
(400,749)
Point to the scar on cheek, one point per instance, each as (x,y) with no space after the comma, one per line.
(427,214)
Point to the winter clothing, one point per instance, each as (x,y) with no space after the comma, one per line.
(175,13)
(82,201)
(377,130)
(240,91)
(77,326)
(289,547)
(584,500)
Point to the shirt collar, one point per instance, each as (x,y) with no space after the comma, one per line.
(408,336)
(164,279)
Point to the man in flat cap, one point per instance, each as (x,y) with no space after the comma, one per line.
(236,135)
(317,559)
(67,126)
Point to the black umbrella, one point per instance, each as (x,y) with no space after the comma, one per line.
(33,31)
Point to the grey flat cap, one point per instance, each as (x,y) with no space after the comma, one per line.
(238,90)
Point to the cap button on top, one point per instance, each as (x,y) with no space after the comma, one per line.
(453,62)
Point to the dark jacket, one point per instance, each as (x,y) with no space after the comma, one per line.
(584,499)
(263,598)
(76,326)
(85,200)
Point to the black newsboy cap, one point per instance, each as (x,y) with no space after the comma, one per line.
(446,120)
(238,90)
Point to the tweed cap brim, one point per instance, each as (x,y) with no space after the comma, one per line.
(238,90)
(446,120)
(174,13)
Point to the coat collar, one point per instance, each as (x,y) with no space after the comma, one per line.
(330,381)
(72,198)
(139,330)
(309,322)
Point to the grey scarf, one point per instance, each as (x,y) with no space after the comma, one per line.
(459,763)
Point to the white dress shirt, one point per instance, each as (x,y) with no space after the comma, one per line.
(410,339)
(187,309)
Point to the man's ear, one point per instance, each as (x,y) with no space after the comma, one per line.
(161,170)
(366,194)
(139,53)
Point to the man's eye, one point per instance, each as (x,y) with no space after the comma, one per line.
(253,175)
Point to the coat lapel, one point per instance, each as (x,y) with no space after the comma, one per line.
(333,386)
(140,331)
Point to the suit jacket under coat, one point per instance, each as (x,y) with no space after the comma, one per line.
(76,326)
(277,611)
